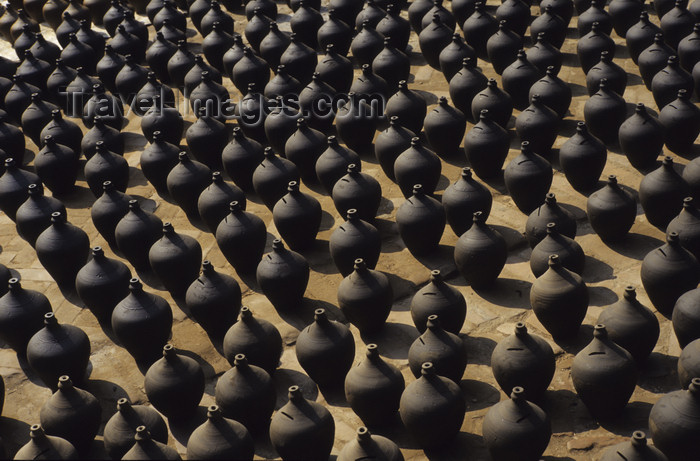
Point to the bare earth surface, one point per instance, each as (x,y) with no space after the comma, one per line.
(491,314)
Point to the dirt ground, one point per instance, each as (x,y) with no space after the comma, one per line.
(491,313)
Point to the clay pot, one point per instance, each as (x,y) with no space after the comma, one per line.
(142,323)
(538,125)
(63,131)
(503,46)
(241,237)
(104,166)
(409,106)
(660,266)
(167,120)
(180,64)
(438,298)
(302,429)
(220,437)
(214,300)
(102,283)
(641,35)
(325,350)
(434,38)
(672,422)
(77,53)
(354,239)
(46,446)
(570,254)
(283,276)
(57,166)
(72,414)
(174,384)
(559,299)
(106,68)
(281,124)
(668,81)
(18,97)
(486,146)
(356,120)
(432,408)
(516,429)
(21,315)
(594,13)
(255,338)
(677,24)
(272,177)
(111,112)
(12,139)
(309,100)
(186,181)
(281,84)
(625,14)
(393,65)
(367,44)
(465,85)
(390,143)
(34,119)
(544,55)
(365,296)
(421,220)
(304,147)
(688,367)
(604,375)
(147,448)
(306,21)
(496,101)
(333,163)
(523,358)
(686,226)
(335,32)
(606,68)
(175,259)
(631,325)
(462,199)
(681,118)
(157,160)
(480,253)
(368,445)
(417,165)
(517,79)
(604,113)
(443,349)
(394,27)
(636,449)
(246,394)
(34,215)
(62,249)
(299,60)
(551,24)
(687,50)
(358,191)
(653,59)
(240,158)
(452,56)
(528,178)
(549,212)
(120,430)
(611,211)
(14,184)
(590,46)
(373,389)
(416,12)
(661,194)
(641,138)
(444,128)
(213,202)
(477,29)
(135,233)
(297,217)
(583,158)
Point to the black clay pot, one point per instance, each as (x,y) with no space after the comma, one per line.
(297,217)
(477,29)
(677,24)
(395,27)
(625,14)
(63,131)
(681,118)
(570,253)
(528,178)
(496,101)
(41,444)
(34,215)
(688,364)
(433,39)
(687,50)
(107,68)
(464,198)
(486,146)
(135,233)
(333,163)
(438,298)
(306,21)
(106,106)
(310,99)
(668,81)
(58,350)
(304,147)
(335,32)
(653,59)
(302,429)
(583,158)
(165,119)
(549,212)
(365,297)
(175,259)
(606,68)
(641,138)
(145,447)
(594,13)
(373,389)
(673,421)
(604,113)
(142,323)
(452,56)
(516,429)
(538,125)
(611,211)
(281,123)
(465,85)
(57,166)
(272,176)
(526,360)
(367,44)
(604,375)
(356,121)
(174,384)
(670,262)
(417,165)
(186,181)
(102,283)
(631,325)
(12,139)
(213,202)
(299,60)
(393,66)
(503,46)
(34,119)
(409,106)
(241,237)
(325,350)
(358,191)
(179,64)
(283,276)
(590,46)
(14,185)
(257,339)
(157,160)
(72,414)
(641,35)
(390,143)
(106,166)
(120,429)
(354,239)
(220,437)
(21,315)
(517,79)
(636,449)
(559,299)
(421,220)
(112,139)
(240,158)
(443,349)
(444,128)
(686,226)
(62,249)
(661,194)
(246,394)
(544,55)
(480,253)
(158,54)
(335,70)
(551,24)
(432,408)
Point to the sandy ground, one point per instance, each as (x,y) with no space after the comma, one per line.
(491,314)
